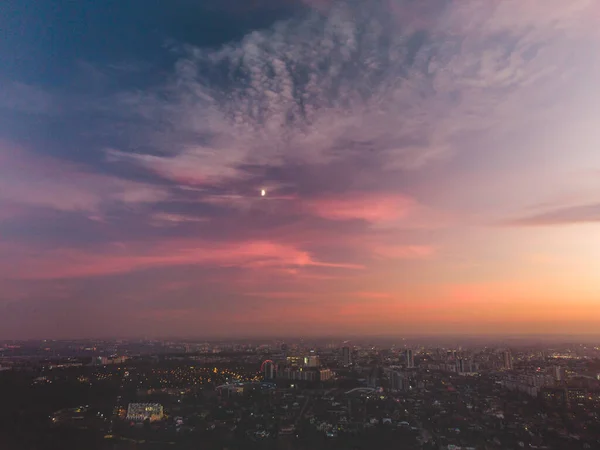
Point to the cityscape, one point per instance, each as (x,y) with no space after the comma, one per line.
(300,394)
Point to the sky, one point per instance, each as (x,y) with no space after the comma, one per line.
(430,167)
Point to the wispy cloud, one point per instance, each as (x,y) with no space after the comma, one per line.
(359,78)
(169,219)
(568,215)
(372,207)
(122,258)
(42,181)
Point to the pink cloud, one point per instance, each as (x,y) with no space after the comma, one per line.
(67,263)
(372,208)
(279,295)
(575,17)
(307,294)
(405,251)
(371,295)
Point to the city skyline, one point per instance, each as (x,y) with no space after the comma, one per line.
(306,168)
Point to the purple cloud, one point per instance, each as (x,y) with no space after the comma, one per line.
(42,181)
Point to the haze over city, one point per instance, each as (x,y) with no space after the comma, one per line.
(305,168)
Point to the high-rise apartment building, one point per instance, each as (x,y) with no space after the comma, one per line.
(294,360)
(465,366)
(409,358)
(311,361)
(325,374)
(269,370)
(346,356)
(508,363)
(557,373)
(397,381)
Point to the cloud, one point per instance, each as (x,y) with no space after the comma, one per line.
(307,294)
(122,258)
(280,295)
(42,181)
(548,16)
(404,251)
(11,211)
(371,208)
(193,166)
(359,78)
(169,219)
(570,215)
(374,295)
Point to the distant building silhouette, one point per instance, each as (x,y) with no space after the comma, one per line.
(508,362)
(409,358)
(346,356)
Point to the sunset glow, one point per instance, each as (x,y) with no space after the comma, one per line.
(335,168)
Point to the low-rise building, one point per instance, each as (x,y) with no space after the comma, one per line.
(138,412)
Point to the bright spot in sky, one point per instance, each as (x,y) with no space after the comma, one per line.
(263,192)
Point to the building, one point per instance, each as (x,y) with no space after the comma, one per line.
(554,396)
(311,361)
(409,358)
(578,395)
(556,371)
(463,365)
(104,360)
(138,412)
(373,377)
(288,373)
(508,363)
(309,375)
(325,374)
(530,384)
(269,370)
(397,381)
(300,374)
(294,360)
(346,356)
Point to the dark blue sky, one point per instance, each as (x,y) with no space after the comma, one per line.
(44,42)
(78,52)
